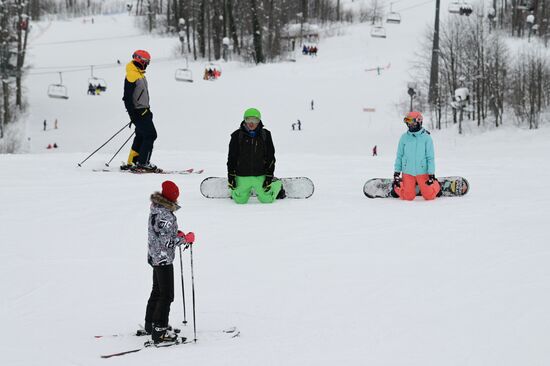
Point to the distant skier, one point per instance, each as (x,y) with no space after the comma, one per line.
(45,125)
(251,161)
(312,104)
(416,160)
(299,124)
(164,236)
(55,124)
(305,50)
(136,100)
(375,151)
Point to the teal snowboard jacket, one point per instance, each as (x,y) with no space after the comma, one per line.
(415,153)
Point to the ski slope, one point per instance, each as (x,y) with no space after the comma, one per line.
(337,279)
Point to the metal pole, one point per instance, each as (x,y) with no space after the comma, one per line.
(193,294)
(124,144)
(105,143)
(182,290)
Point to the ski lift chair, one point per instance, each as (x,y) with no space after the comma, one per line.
(393,17)
(454,7)
(378,32)
(466,9)
(99,83)
(216,68)
(184,75)
(58,91)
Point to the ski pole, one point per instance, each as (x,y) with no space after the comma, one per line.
(125,142)
(193,293)
(96,150)
(182,290)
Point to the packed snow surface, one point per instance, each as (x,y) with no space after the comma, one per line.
(337,279)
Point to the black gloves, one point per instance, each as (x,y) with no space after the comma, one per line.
(430,180)
(136,114)
(397,179)
(231,181)
(267,182)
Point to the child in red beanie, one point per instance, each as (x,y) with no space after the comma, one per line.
(164,236)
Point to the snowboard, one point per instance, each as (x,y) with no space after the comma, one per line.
(450,187)
(295,187)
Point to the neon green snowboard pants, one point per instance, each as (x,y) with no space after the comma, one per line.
(245,185)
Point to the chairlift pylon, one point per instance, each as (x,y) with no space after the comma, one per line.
(58,91)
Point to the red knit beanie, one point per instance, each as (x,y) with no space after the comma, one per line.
(170,190)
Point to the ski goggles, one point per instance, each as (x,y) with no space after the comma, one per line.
(144,60)
(252,120)
(411,120)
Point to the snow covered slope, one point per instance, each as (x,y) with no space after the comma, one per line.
(337,279)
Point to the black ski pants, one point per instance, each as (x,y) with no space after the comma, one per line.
(162,295)
(146,134)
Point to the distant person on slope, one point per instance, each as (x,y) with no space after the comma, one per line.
(416,160)
(251,161)
(136,100)
(163,238)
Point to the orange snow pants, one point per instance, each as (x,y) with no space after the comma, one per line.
(407,190)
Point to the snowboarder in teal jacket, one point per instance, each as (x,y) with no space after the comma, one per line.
(416,161)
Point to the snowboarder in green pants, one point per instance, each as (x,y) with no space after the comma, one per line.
(251,161)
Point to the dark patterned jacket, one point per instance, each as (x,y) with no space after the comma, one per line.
(163,231)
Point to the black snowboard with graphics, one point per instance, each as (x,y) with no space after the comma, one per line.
(295,187)
(450,187)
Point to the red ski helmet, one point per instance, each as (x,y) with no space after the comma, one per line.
(413,117)
(142,57)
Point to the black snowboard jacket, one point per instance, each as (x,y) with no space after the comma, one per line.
(251,156)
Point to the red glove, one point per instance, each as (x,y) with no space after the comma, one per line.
(190,237)
(181,234)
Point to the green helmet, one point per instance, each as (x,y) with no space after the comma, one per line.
(252,112)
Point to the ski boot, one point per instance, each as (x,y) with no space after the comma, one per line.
(125,166)
(148,329)
(145,168)
(163,335)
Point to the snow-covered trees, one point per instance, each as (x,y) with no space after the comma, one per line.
(477,56)
(14,27)
(255,28)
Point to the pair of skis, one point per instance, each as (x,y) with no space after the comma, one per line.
(160,171)
(231,332)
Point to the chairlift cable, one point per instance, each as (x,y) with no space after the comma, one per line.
(80,68)
(82,40)
(415,6)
